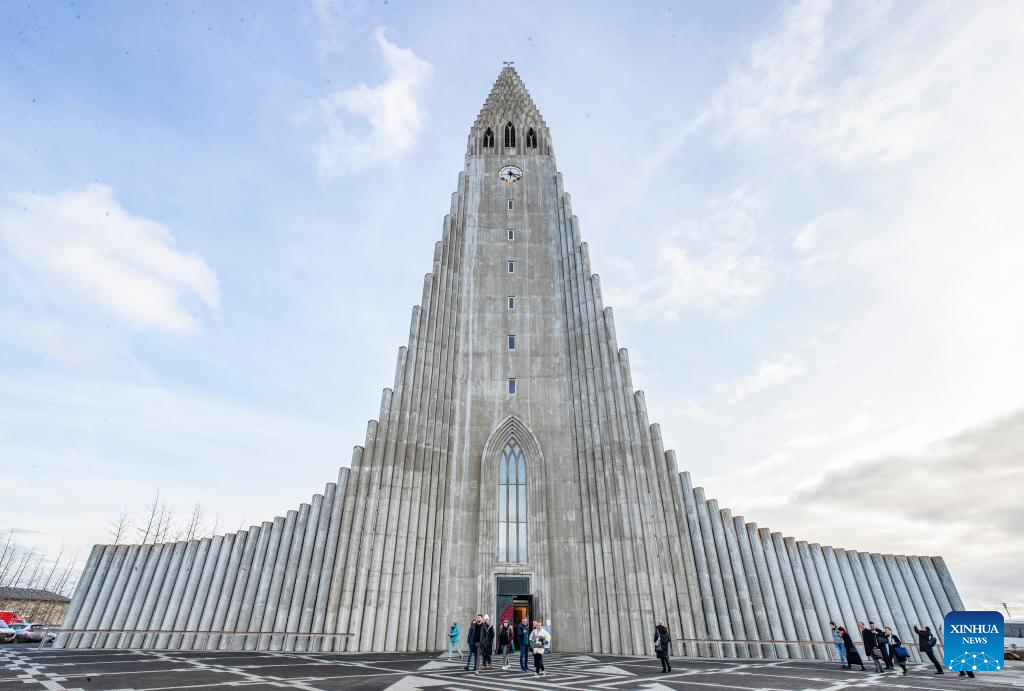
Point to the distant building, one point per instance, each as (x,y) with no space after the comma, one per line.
(33,604)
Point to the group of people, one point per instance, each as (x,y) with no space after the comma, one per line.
(483,641)
(884,647)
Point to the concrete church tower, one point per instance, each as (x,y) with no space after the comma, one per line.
(512,470)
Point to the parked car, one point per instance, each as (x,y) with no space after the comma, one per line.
(32,633)
(6,632)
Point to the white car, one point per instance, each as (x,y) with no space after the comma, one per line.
(1013,637)
(6,632)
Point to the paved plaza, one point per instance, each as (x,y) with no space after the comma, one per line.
(30,668)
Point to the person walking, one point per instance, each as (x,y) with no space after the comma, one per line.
(539,640)
(523,641)
(898,651)
(473,644)
(453,641)
(852,656)
(927,641)
(882,642)
(662,645)
(870,646)
(487,641)
(837,640)
(505,635)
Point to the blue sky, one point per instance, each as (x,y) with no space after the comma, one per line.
(214,221)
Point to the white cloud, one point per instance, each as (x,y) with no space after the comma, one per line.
(722,278)
(69,347)
(768,375)
(88,245)
(365,125)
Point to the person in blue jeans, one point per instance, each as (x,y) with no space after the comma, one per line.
(523,641)
(837,639)
(473,641)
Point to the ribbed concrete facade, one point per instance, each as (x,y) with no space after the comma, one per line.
(556,496)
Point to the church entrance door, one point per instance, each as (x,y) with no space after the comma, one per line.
(514,599)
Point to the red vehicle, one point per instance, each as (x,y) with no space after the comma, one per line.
(11,617)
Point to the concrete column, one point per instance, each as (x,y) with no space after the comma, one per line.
(702,570)
(318,570)
(743,594)
(789,630)
(901,625)
(902,592)
(883,612)
(775,630)
(331,566)
(262,594)
(131,595)
(684,533)
(947,584)
(166,593)
(242,621)
(341,571)
(842,595)
(144,596)
(182,596)
(283,564)
(820,608)
(796,609)
(293,594)
(850,583)
(213,584)
(935,582)
(228,589)
(871,607)
(803,589)
(715,571)
(920,606)
(96,593)
(117,592)
(930,602)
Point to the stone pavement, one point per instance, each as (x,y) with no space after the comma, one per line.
(28,669)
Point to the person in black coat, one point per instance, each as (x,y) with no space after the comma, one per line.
(487,641)
(852,656)
(473,642)
(896,645)
(870,646)
(927,641)
(663,645)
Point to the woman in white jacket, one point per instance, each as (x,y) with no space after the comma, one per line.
(539,639)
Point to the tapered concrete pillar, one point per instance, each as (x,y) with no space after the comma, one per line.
(900,619)
(740,579)
(803,588)
(760,611)
(700,559)
(793,596)
(715,572)
(947,584)
(782,594)
(776,631)
(728,578)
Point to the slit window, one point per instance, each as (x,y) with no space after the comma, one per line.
(511,204)
(511,267)
(512,385)
(511,341)
(511,233)
(511,302)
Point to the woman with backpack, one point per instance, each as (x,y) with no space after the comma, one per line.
(662,645)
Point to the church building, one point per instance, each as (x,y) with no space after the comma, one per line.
(513,469)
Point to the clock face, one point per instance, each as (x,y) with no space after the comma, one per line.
(510,174)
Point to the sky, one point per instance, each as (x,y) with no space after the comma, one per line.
(215,219)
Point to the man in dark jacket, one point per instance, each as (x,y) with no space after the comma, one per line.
(868,637)
(882,643)
(523,641)
(927,641)
(473,641)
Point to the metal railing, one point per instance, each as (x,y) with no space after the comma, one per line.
(285,636)
(830,647)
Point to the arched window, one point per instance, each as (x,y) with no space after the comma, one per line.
(512,504)
(510,136)
(531,139)
(488,139)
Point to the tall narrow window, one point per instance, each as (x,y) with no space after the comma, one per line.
(511,302)
(511,342)
(511,233)
(511,267)
(488,139)
(531,139)
(512,385)
(512,504)
(511,204)
(510,136)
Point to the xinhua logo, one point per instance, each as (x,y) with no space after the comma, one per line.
(973,641)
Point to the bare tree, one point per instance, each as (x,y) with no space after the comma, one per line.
(117,527)
(195,523)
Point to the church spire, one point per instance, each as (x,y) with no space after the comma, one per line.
(509,121)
